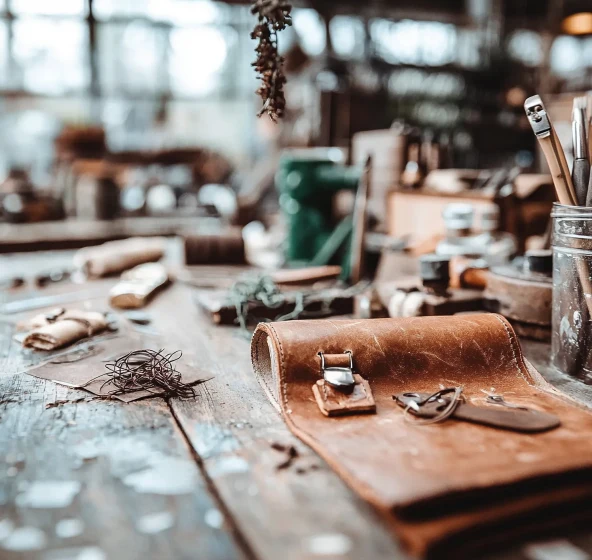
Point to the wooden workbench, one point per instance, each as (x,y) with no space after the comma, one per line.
(170,479)
(74,234)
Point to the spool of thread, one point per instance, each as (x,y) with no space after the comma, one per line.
(220,248)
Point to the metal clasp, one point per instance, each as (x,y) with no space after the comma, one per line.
(341,378)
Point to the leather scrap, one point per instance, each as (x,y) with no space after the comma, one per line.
(333,402)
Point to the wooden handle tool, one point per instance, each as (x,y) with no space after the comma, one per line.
(554,154)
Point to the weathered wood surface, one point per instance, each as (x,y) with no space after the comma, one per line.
(73,234)
(135,489)
(239,504)
(290,513)
(304,511)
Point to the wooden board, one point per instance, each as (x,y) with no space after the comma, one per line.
(283,513)
(241,503)
(74,234)
(135,489)
(299,512)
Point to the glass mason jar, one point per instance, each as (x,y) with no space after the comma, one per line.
(572,290)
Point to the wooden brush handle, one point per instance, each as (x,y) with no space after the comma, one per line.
(559,170)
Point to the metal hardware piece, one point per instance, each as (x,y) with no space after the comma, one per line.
(499,399)
(341,378)
(537,115)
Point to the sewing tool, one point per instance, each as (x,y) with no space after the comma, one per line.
(308,182)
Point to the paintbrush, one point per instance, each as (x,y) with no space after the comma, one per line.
(589,123)
(589,136)
(551,147)
(580,173)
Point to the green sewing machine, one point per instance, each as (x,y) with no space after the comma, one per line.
(307,181)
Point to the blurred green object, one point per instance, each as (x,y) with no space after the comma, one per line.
(307,181)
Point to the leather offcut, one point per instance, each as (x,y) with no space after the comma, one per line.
(455,484)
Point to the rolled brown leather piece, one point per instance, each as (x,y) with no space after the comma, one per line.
(116,256)
(220,248)
(65,329)
(442,483)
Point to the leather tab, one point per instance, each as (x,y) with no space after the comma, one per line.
(334,402)
(525,420)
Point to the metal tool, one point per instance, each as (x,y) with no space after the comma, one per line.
(581,166)
(341,378)
(28,304)
(499,399)
(551,147)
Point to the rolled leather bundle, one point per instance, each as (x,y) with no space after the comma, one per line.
(219,248)
(451,488)
(138,286)
(116,256)
(58,329)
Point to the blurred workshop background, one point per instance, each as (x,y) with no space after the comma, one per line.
(151,102)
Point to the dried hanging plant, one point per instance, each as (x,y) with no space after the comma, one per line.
(273,16)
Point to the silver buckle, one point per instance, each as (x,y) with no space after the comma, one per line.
(341,378)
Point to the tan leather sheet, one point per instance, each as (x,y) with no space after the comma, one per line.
(442,480)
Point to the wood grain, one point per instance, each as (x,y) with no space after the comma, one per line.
(289,513)
(252,495)
(48,433)
(141,494)
(74,234)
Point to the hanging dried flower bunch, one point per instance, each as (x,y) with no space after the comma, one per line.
(273,16)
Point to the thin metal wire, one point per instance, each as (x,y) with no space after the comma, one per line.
(146,370)
(446,413)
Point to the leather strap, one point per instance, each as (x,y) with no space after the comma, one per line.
(524,420)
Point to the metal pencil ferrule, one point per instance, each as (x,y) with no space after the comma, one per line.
(339,377)
(537,116)
(580,142)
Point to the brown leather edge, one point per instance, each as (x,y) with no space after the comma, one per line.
(280,403)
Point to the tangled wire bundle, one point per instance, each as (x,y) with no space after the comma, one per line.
(147,370)
(272,16)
